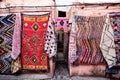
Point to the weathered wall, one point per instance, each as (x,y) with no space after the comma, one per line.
(93,10)
(8,3)
(81,9)
(87,70)
(27,2)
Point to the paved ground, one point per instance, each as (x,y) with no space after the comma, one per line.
(61,73)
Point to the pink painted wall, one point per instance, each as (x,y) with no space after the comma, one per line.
(28,2)
(7,3)
(87,70)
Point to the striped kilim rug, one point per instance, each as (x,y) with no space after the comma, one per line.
(34,29)
(88,36)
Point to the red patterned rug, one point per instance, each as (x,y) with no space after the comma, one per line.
(33,32)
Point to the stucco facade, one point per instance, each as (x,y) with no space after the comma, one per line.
(42,5)
(29,5)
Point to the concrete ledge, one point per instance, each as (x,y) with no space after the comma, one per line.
(87,70)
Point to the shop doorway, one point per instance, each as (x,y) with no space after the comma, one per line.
(62,46)
(61,67)
(62,41)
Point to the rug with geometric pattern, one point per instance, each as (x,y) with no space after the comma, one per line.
(34,29)
(6,33)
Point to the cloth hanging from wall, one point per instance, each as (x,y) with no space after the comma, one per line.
(72,42)
(33,40)
(107,45)
(115,23)
(88,37)
(6,35)
(50,43)
(62,23)
(16,45)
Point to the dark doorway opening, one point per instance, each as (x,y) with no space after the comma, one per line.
(62,50)
(61,14)
(62,42)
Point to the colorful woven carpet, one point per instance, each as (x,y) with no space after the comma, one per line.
(72,42)
(88,37)
(33,40)
(62,23)
(16,45)
(115,22)
(50,41)
(6,32)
